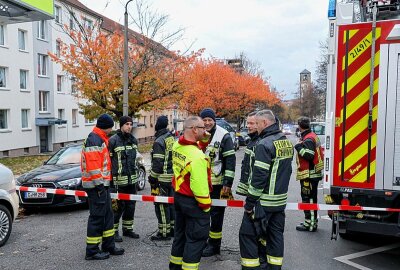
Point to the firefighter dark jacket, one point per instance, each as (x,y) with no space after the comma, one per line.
(247,165)
(95,160)
(161,156)
(123,151)
(272,170)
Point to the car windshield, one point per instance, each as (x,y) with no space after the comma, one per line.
(68,155)
(318,129)
(225,125)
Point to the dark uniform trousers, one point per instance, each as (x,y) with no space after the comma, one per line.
(125,209)
(100,223)
(191,231)
(274,224)
(309,194)
(165,212)
(217,218)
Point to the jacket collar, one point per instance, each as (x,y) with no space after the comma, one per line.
(183,141)
(124,136)
(272,129)
(161,132)
(101,134)
(253,136)
(305,132)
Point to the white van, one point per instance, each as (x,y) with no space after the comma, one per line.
(8,203)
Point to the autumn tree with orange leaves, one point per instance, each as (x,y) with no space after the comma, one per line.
(94,57)
(211,83)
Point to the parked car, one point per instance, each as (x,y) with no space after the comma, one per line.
(243,137)
(287,130)
(319,129)
(222,123)
(62,171)
(8,203)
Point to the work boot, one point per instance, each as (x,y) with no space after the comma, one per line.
(117,237)
(303,228)
(116,251)
(130,234)
(160,237)
(211,250)
(98,256)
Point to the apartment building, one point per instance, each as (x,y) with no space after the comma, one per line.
(38,109)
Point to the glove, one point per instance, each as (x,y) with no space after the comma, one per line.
(152,180)
(328,199)
(226,195)
(155,191)
(114,205)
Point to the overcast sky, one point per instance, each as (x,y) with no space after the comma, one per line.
(282,35)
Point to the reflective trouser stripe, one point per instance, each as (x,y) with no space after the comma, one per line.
(250,262)
(215,235)
(176,260)
(108,233)
(274,260)
(186,265)
(127,224)
(93,240)
(116,226)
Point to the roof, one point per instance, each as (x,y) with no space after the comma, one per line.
(305,71)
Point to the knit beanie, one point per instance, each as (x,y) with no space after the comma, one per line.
(162,122)
(105,121)
(304,122)
(125,119)
(208,112)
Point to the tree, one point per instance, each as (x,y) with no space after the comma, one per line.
(95,59)
(211,83)
(321,76)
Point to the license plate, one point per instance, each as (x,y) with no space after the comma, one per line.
(35,195)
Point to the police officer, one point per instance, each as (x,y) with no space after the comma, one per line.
(309,171)
(192,184)
(219,148)
(96,177)
(265,205)
(247,171)
(160,178)
(123,151)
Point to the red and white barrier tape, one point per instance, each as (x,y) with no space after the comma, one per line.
(224,203)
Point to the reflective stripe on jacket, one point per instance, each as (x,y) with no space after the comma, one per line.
(161,156)
(272,170)
(192,174)
(310,160)
(123,152)
(95,160)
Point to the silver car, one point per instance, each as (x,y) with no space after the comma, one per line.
(8,203)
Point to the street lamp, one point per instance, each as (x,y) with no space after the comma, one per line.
(126,81)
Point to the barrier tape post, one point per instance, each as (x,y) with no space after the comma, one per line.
(215,202)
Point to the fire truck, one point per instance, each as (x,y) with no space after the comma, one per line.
(362,148)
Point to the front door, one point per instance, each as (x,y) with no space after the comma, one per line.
(44,139)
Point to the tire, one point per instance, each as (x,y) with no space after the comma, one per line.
(5,224)
(141,183)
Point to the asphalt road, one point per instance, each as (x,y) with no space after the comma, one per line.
(55,239)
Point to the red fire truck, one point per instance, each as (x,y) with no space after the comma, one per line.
(362,149)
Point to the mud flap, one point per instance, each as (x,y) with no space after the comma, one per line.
(335,225)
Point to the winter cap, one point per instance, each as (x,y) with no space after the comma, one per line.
(304,122)
(208,112)
(105,121)
(125,119)
(162,122)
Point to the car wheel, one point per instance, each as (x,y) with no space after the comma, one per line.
(5,224)
(141,183)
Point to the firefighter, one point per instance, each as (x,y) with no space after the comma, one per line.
(219,148)
(160,178)
(96,177)
(265,205)
(247,171)
(309,171)
(192,184)
(123,151)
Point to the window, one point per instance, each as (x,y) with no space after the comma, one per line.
(42,64)
(23,79)
(59,83)
(21,40)
(42,30)
(57,14)
(58,48)
(61,114)
(2,35)
(3,119)
(88,122)
(71,20)
(73,85)
(88,24)
(74,117)
(25,118)
(43,101)
(3,74)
